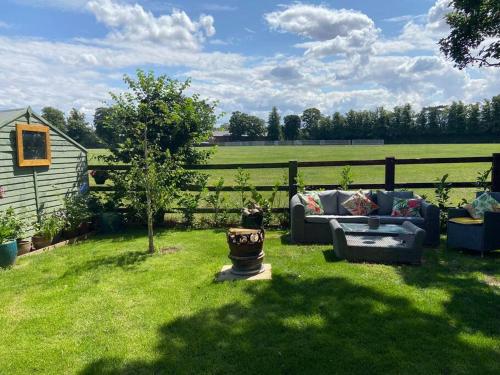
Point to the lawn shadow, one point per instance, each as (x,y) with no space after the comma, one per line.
(286,239)
(310,326)
(472,300)
(127,260)
(331,257)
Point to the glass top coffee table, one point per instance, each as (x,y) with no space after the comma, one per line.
(389,243)
(382,230)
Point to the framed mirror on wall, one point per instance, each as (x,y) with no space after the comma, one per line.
(33,145)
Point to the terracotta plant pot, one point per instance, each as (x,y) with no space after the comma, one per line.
(23,246)
(40,242)
(8,253)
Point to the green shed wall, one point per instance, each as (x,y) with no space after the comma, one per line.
(65,175)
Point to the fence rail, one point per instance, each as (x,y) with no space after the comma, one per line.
(293,166)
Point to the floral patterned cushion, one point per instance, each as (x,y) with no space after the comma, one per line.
(312,203)
(485,202)
(359,204)
(406,207)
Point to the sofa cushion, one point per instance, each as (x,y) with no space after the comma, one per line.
(359,204)
(344,195)
(329,201)
(312,203)
(485,202)
(406,207)
(385,200)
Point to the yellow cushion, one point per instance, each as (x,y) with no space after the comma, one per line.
(466,220)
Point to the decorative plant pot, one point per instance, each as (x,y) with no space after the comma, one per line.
(245,250)
(8,253)
(23,246)
(40,242)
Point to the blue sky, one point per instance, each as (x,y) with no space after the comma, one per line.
(248,55)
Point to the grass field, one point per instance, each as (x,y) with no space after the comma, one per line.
(374,174)
(106,307)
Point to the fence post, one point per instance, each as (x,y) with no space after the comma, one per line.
(292,178)
(495,173)
(390,173)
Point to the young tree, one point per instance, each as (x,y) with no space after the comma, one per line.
(475,33)
(160,126)
(79,129)
(55,117)
(273,126)
(291,129)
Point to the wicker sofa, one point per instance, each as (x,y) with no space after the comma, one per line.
(316,229)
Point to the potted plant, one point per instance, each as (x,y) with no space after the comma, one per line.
(8,243)
(100,177)
(23,239)
(47,229)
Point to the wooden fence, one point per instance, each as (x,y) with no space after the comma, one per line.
(293,167)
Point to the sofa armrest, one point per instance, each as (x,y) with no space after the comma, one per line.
(431,215)
(457,212)
(429,210)
(297,219)
(491,230)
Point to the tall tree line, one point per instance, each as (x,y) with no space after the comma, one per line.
(454,122)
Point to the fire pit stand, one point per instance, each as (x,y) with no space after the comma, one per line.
(245,250)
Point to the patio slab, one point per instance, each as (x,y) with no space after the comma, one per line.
(226,275)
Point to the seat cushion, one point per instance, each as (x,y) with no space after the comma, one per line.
(418,221)
(385,200)
(329,201)
(325,219)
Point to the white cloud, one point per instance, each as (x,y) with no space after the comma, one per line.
(420,36)
(332,31)
(80,73)
(133,23)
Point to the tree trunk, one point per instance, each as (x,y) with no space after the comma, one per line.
(149,207)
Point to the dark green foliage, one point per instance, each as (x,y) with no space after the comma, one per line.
(273,126)
(104,129)
(242,125)
(80,131)
(475,33)
(55,117)
(456,122)
(291,129)
(76,208)
(311,121)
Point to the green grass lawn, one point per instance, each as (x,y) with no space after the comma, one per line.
(106,307)
(373,174)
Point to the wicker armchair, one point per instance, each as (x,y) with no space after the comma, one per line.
(478,237)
